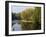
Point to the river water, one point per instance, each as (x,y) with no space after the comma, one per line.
(16,25)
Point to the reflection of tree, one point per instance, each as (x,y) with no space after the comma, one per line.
(31,15)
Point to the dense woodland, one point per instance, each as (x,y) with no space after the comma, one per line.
(30,19)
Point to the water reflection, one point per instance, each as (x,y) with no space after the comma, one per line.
(16,25)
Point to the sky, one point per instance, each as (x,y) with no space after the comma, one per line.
(17,9)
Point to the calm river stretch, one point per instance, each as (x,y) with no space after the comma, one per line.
(16,25)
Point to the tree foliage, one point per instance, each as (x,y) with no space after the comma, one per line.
(31,15)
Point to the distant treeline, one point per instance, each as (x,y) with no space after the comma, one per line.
(15,16)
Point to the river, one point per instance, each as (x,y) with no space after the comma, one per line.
(16,25)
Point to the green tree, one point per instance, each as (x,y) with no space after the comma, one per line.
(37,18)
